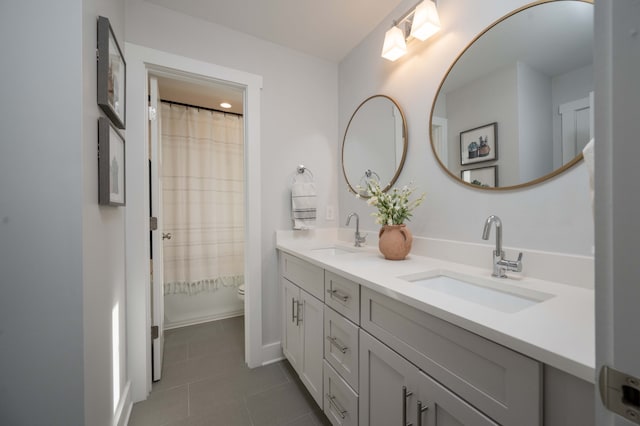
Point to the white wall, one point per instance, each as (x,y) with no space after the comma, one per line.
(299,124)
(467,108)
(183,309)
(61,255)
(103,231)
(554,216)
(535,134)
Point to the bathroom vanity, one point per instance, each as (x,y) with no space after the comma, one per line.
(433,342)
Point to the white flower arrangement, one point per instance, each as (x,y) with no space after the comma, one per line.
(394,206)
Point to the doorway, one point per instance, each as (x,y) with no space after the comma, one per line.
(143,62)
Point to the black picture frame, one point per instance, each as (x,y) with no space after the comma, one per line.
(479,144)
(111,165)
(112,75)
(482,177)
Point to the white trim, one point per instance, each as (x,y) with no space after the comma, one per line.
(125,405)
(272,352)
(139,61)
(204,319)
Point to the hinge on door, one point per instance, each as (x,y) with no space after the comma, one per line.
(620,393)
(153,223)
(154,332)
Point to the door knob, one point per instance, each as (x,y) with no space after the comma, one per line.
(166,235)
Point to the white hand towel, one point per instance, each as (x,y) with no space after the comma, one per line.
(587,153)
(303,205)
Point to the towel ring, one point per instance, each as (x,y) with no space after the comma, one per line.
(302,171)
(368,174)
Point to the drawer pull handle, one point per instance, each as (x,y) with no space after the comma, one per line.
(341,411)
(339,295)
(421,410)
(337,344)
(405,395)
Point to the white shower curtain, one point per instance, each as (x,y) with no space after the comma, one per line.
(203,208)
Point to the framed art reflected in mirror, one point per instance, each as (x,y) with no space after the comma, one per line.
(482,177)
(479,144)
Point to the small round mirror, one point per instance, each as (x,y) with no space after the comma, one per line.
(515,107)
(374,145)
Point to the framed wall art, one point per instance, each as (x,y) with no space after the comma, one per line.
(485,177)
(479,144)
(111,74)
(111,162)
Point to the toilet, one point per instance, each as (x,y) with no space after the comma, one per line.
(241,292)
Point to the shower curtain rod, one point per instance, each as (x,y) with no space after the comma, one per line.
(199,107)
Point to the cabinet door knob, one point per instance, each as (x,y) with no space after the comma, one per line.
(298,316)
(421,409)
(405,395)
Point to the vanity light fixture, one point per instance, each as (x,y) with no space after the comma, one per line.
(426,21)
(420,22)
(395,44)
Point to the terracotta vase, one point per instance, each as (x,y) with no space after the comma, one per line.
(395,241)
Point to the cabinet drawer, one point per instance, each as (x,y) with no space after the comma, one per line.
(343,296)
(341,345)
(498,381)
(340,401)
(305,275)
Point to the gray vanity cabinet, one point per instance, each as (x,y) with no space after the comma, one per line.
(504,384)
(303,321)
(395,392)
(302,337)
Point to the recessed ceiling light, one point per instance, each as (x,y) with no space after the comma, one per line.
(225,105)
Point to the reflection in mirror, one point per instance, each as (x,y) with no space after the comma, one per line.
(375,144)
(531,73)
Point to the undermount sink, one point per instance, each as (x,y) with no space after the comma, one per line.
(482,292)
(332,250)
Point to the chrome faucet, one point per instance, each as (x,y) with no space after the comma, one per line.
(359,239)
(500,264)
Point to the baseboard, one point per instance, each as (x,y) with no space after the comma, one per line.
(200,320)
(125,405)
(271,353)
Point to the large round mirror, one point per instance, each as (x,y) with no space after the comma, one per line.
(515,108)
(375,144)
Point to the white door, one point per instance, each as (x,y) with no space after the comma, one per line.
(576,127)
(157,236)
(617,203)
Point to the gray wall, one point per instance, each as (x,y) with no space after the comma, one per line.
(61,255)
(41,188)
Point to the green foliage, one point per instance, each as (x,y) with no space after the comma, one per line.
(394,206)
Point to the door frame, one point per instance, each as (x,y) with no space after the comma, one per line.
(140,61)
(616,66)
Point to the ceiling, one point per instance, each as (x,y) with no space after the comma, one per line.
(208,94)
(327,29)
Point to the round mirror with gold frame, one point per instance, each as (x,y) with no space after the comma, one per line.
(374,144)
(515,107)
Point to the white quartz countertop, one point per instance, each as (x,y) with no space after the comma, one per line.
(559,331)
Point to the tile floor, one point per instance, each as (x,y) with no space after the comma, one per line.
(206,382)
